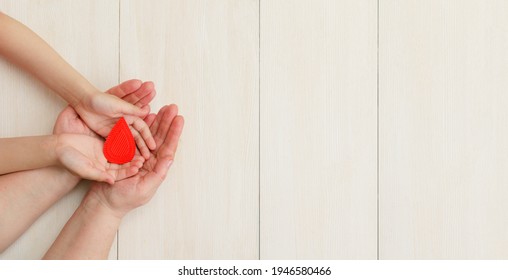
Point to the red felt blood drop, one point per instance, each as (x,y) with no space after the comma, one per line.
(120,146)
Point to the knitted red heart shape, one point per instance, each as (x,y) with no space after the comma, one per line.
(120,146)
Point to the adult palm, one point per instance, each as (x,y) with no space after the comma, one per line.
(137,190)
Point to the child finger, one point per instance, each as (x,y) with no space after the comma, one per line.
(125,88)
(140,143)
(145,100)
(143,129)
(146,89)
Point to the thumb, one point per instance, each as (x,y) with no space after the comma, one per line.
(101,176)
(95,174)
(130,109)
(110,105)
(108,178)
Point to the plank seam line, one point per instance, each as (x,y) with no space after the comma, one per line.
(377,136)
(118,81)
(259,128)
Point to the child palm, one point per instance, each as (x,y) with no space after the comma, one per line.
(83,156)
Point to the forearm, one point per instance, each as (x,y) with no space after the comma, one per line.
(88,234)
(24,196)
(26,153)
(24,48)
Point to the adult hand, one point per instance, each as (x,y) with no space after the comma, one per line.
(101,111)
(137,190)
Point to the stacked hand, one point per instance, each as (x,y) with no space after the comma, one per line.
(83,156)
(137,181)
(77,145)
(101,111)
(79,148)
(135,191)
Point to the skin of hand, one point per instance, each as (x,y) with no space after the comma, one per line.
(135,191)
(132,91)
(22,197)
(100,111)
(69,120)
(83,155)
(91,230)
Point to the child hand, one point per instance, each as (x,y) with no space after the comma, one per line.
(101,111)
(133,91)
(83,156)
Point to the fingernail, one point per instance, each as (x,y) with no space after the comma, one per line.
(169,164)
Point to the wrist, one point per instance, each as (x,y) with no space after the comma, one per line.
(68,177)
(81,95)
(50,145)
(96,200)
(59,181)
(65,174)
(58,150)
(97,207)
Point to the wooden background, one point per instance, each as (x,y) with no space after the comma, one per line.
(327,129)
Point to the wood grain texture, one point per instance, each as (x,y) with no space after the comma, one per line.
(443,129)
(85,33)
(318,129)
(311,125)
(203,56)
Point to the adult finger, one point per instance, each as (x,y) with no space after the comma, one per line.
(146,99)
(155,125)
(167,118)
(149,119)
(165,155)
(168,149)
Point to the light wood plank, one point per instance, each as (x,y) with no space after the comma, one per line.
(443,129)
(318,129)
(85,33)
(203,56)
